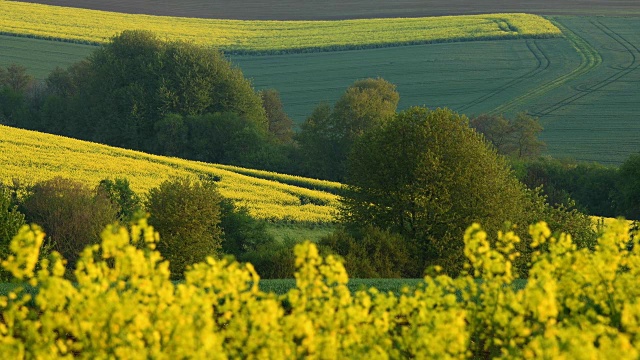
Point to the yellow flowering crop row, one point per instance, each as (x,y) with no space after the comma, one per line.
(94,26)
(576,304)
(330,186)
(31,157)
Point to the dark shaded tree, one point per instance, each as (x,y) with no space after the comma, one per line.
(372,253)
(17,89)
(16,78)
(629,188)
(327,136)
(593,187)
(318,152)
(128,85)
(516,137)
(280,124)
(72,214)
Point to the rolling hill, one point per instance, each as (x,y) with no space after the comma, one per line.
(32,156)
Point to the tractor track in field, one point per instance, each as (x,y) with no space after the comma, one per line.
(590,59)
(543,63)
(629,47)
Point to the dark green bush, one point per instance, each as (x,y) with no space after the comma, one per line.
(186,213)
(372,253)
(10,222)
(242,233)
(120,193)
(72,214)
(272,261)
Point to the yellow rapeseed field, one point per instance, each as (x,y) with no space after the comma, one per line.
(44,21)
(31,156)
(576,304)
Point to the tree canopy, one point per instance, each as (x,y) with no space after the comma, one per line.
(427,175)
(126,86)
(327,136)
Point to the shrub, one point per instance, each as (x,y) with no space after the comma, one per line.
(120,193)
(372,253)
(242,233)
(10,222)
(275,260)
(72,214)
(186,213)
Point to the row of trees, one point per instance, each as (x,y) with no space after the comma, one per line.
(194,221)
(591,187)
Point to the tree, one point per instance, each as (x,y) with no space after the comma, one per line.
(171,136)
(10,220)
(133,82)
(496,129)
(526,130)
(317,148)
(280,124)
(14,102)
(16,78)
(127,202)
(516,137)
(364,105)
(72,214)
(426,175)
(629,187)
(371,253)
(328,135)
(186,213)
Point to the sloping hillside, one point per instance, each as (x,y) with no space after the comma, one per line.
(32,156)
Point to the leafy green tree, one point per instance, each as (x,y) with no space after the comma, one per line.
(127,202)
(516,137)
(242,233)
(186,213)
(16,78)
(629,188)
(364,105)
(72,214)
(280,124)
(10,220)
(328,134)
(427,176)
(133,82)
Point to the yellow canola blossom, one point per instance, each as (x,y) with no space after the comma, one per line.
(73,24)
(124,305)
(32,157)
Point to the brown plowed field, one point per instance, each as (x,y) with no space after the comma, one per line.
(344,9)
